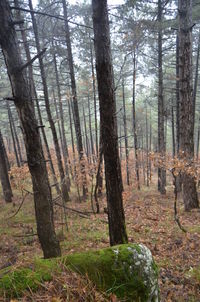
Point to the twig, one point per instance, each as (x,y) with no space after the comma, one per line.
(19,206)
(25,235)
(73,210)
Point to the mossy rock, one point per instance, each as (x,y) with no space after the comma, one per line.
(127,270)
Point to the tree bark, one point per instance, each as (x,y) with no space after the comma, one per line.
(34,95)
(161,135)
(35,157)
(125,134)
(75,101)
(64,140)
(94,95)
(116,218)
(4,177)
(190,197)
(137,171)
(64,189)
(13,136)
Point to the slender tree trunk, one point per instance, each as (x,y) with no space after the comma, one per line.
(34,95)
(137,171)
(18,148)
(177,97)
(147,146)
(35,157)
(73,149)
(64,189)
(5,182)
(90,127)
(143,161)
(150,143)
(190,197)
(173,133)
(64,140)
(194,93)
(161,134)
(125,135)
(57,119)
(75,101)
(13,136)
(116,218)
(87,149)
(94,96)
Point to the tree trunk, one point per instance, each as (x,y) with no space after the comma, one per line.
(125,135)
(190,197)
(4,177)
(116,218)
(90,127)
(161,135)
(64,189)
(137,171)
(75,101)
(13,136)
(35,157)
(94,96)
(18,148)
(34,95)
(173,133)
(147,145)
(64,140)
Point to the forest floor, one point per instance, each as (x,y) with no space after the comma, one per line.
(150,220)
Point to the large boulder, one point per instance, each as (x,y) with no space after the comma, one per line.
(127,270)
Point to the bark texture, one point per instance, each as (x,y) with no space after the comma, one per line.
(35,157)
(116,218)
(190,197)
(161,132)
(5,182)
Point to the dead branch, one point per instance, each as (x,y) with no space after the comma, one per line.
(21,204)
(33,59)
(48,15)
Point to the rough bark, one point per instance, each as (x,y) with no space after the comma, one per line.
(190,197)
(104,70)
(4,177)
(35,157)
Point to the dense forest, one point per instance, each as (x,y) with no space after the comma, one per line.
(99,150)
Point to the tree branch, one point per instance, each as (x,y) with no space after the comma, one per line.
(32,60)
(48,15)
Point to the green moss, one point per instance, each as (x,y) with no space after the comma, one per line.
(120,270)
(110,270)
(16,282)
